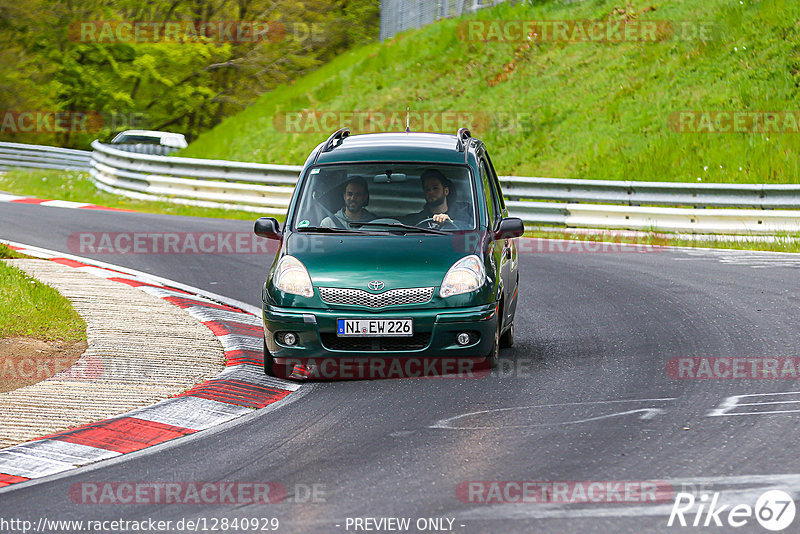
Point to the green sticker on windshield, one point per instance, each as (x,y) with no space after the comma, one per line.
(303,223)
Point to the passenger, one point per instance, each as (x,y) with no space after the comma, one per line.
(356,197)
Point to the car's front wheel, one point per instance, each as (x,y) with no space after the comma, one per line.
(268,361)
(493,358)
(507,339)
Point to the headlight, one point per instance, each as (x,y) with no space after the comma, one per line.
(467,274)
(291,277)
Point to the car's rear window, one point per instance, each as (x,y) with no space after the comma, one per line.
(137,139)
(335,196)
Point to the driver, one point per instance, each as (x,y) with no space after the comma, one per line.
(436,188)
(356,197)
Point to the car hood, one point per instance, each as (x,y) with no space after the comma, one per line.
(397,261)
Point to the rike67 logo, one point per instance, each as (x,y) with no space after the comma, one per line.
(774,510)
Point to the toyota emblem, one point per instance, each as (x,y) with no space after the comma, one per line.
(375,285)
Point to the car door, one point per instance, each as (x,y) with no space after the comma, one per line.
(509,262)
(498,248)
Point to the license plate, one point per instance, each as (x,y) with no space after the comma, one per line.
(375,327)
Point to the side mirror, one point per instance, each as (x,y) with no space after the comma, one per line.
(509,227)
(267,227)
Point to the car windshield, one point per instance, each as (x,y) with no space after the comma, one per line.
(387,197)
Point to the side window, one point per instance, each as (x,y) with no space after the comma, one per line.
(488,190)
(496,182)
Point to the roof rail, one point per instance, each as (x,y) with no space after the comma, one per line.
(461,139)
(339,134)
(329,145)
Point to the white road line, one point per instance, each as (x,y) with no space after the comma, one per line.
(64,204)
(732,402)
(756,259)
(649,413)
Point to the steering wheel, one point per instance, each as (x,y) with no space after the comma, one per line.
(438,224)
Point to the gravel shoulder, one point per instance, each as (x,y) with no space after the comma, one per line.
(140,350)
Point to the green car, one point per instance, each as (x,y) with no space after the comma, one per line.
(397,258)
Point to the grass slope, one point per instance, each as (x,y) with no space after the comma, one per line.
(29,308)
(560,109)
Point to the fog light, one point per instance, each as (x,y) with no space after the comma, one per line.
(462,339)
(289,338)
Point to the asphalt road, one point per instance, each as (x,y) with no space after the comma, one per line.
(584,395)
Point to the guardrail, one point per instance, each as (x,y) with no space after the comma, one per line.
(43,157)
(267,189)
(689,220)
(200,182)
(763,196)
(583,204)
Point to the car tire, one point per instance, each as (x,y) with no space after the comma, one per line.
(507,339)
(493,358)
(268,361)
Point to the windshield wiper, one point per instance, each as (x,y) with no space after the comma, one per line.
(399,225)
(327,230)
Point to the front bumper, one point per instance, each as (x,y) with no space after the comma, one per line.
(435,333)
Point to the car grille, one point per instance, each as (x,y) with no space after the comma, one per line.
(359,297)
(416,342)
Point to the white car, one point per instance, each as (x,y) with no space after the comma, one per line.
(149,141)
